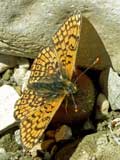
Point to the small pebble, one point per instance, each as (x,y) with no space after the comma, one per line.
(25,80)
(47,156)
(102,106)
(2,151)
(45,145)
(53,150)
(17,137)
(50,134)
(63,133)
(88,125)
(8,73)
(18,75)
(23,63)
(34,150)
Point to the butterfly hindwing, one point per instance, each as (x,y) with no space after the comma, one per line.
(39,113)
(35,109)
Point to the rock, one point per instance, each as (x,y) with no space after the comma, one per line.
(112,89)
(17,137)
(27,158)
(7,62)
(18,89)
(88,125)
(50,133)
(114,127)
(98,146)
(6,76)
(47,156)
(63,133)
(103,81)
(102,106)
(24,34)
(3,154)
(25,80)
(34,150)
(1,82)
(8,97)
(8,143)
(2,151)
(47,144)
(23,63)
(53,150)
(66,151)
(19,74)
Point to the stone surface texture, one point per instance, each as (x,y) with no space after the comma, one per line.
(97,146)
(63,133)
(8,97)
(7,62)
(27,26)
(114,90)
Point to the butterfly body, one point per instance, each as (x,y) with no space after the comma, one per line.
(55,88)
(49,83)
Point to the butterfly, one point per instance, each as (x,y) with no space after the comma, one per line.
(49,82)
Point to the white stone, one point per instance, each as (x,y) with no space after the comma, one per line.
(23,63)
(8,97)
(114,89)
(63,133)
(102,104)
(34,150)
(2,151)
(17,137)
(19,74)
(25,80)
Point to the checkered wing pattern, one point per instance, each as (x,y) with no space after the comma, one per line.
(66,42)
(35,110)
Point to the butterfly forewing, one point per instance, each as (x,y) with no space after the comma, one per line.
(44,67)
(36,108)
(66,42)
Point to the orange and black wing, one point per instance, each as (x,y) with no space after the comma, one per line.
(45,66)
(35,113)
(66,42)
(34,110)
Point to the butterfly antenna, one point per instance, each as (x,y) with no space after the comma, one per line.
(76,107)
(66,104)
(94,62)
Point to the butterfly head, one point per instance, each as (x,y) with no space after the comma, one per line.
(70,87)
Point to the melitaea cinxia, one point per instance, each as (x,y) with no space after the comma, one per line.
(49,82)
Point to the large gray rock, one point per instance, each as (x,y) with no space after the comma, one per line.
(110,85)
(114,90)
(98,146)
(27,26)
